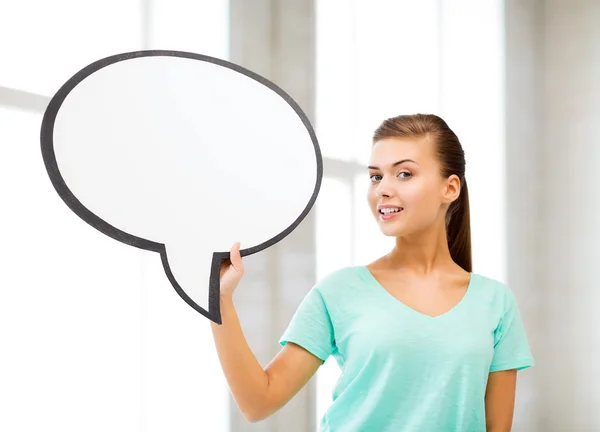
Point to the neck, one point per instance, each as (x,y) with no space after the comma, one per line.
(422,252)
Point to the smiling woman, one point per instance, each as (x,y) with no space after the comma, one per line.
(416,331)
(428,345)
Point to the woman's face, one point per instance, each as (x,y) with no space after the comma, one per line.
(407,193)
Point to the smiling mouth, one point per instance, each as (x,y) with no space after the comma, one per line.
(390,211)
(387,214)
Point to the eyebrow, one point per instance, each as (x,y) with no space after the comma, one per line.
(394,164)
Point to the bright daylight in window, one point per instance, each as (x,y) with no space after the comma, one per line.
(98,327)
(378,59)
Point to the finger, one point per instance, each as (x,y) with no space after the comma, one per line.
(235,257)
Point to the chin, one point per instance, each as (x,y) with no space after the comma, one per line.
(390,230)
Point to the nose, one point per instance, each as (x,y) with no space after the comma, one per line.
(383,189)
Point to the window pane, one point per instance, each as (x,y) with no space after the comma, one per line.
(395,73)
(43,43)
(183,385)
(478,81)
(367,71)
(334,226)
(69,304)
(196,26)
(334,251)
(119,346)
(388,57)
(335,77)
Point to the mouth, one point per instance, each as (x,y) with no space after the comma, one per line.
(386,213)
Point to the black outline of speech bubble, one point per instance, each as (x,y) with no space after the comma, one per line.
(47,147)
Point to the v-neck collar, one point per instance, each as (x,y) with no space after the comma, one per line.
(384,293)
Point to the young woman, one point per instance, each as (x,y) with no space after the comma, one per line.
(424,344)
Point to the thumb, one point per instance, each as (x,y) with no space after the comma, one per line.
(236,258)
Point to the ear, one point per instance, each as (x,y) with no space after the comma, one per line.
(451,190)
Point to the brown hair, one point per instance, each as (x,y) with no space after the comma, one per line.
(452,157)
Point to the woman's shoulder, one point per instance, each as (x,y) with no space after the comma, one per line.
(341,274)
(493,290)
(339,281)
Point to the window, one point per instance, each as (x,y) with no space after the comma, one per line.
(334,221)
(334,218)
(378,59)
(196,26)
(471,99)
(335,78)
(45,43)
(69,326)
(93,330)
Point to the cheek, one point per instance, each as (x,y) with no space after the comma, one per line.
(422,195)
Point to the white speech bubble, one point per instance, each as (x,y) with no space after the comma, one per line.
(182,154)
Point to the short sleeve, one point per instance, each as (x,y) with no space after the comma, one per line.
(311,326)
(511,348)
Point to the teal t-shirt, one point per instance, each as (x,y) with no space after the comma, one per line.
(404,371)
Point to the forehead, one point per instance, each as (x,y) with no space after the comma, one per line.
(390,150)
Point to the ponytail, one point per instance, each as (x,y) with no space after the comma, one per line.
(458,230)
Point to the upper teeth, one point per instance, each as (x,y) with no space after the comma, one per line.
(389,210)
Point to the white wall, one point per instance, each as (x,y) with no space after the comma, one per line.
(570,212)
(553,155)
(523,188)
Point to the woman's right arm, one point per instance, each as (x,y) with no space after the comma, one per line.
(258,392)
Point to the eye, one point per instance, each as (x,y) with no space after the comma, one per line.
(375,177)
(404,174)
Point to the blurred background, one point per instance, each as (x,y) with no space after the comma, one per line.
(94,338)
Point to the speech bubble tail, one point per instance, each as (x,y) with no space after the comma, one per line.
(195,275)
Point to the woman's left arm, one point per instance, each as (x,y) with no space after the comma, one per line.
(500,400)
